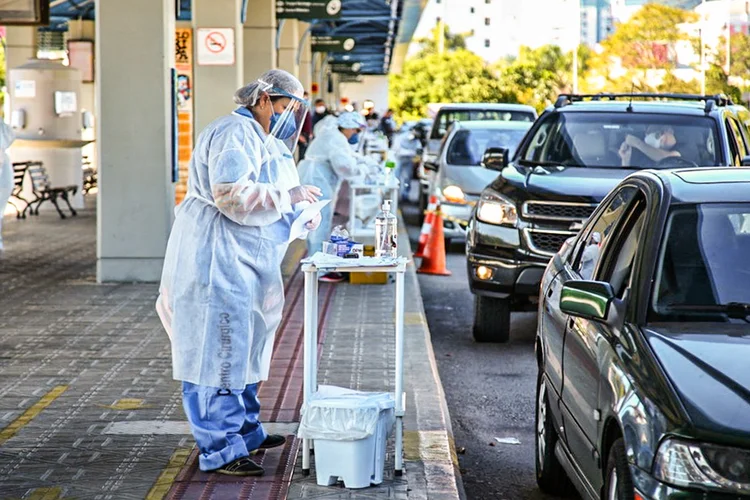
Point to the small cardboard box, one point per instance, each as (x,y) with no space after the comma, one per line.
(376,278)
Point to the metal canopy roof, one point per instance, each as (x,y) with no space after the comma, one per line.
(375,25)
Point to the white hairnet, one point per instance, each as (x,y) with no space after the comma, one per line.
(351,120)
(275,78)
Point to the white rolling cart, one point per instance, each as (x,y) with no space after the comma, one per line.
(358,229)
(325,263)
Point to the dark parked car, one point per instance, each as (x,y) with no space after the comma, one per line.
(643,343)
(574,154)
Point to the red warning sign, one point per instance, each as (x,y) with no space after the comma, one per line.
(216,42)
(215,46)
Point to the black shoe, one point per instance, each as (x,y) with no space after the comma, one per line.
(243,466)
(272,441)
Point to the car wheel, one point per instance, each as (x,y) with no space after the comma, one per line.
(618,483)
(550,476)
(491,319)
(448,242)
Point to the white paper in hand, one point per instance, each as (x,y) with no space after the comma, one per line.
(307,215)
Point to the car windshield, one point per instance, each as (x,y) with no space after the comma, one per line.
(448,117)
(703,268)
(468,146)
(626,140)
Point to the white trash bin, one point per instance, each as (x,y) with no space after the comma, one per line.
(350,430)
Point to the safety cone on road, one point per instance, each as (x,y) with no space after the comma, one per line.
(424,233)
(433,261)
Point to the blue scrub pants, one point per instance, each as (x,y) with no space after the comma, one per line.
(225,424)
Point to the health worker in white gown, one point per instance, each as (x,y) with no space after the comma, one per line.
(6,172)
(221,293)
(330,159)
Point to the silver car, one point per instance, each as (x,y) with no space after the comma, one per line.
(459,178)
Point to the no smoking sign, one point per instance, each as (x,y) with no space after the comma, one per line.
(215,46)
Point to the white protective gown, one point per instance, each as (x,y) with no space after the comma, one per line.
(6,171)
(221,293)
(328,161)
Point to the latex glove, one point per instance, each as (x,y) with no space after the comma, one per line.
(315,223)
(304,193)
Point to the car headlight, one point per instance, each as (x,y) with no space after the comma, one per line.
(494,209)
(453,193)
(686,464)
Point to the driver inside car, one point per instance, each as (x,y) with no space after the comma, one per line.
(658,144)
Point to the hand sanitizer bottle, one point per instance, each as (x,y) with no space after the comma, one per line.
(386,232)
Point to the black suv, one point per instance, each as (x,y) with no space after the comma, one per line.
(574,154)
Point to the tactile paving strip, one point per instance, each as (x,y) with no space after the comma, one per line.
(281,400)
(104,344)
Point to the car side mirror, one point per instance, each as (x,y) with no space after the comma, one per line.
(587,299)
(495,159)
(745,161)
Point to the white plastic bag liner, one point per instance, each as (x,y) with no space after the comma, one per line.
(339,414)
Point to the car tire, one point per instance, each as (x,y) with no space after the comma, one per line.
(550,475)
(618,482)
(448,242)
(491,319)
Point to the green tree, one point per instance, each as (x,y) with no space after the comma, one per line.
(452,41)
(538,75)
(456,76)
(644,43)
(648,39)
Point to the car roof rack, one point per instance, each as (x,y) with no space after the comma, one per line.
(711,100)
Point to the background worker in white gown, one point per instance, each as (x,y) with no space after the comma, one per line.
(221,293)
(6,173)
(329,161)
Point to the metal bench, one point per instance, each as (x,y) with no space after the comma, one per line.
(19,174)
(44,191)
(90,176)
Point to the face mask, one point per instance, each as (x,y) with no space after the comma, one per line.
(652,140)
(286,129)
(354,139)
(320,109)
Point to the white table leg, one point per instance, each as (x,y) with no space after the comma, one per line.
(309,345)
(399,372)
(313,338)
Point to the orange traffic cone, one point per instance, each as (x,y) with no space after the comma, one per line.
(424,233)
(433,261)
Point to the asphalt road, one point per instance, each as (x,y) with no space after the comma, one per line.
(490,388)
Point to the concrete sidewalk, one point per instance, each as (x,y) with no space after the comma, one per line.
(88,408)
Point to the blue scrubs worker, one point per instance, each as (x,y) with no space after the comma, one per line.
(222,294)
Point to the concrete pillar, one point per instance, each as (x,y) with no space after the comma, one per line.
(305,63)
(82,29)
(288,47)
(259,39)
(20,45)
(214,85)
(134,130)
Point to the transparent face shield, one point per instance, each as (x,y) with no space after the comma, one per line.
(287,126)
